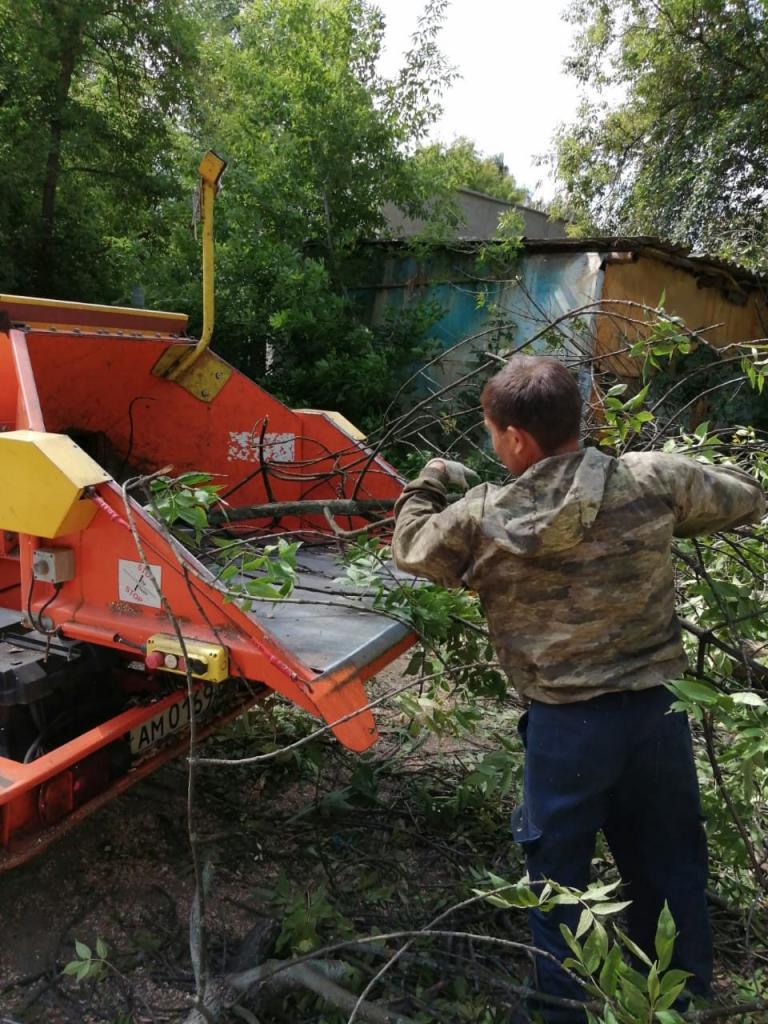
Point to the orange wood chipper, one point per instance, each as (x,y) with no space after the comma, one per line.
(96,678)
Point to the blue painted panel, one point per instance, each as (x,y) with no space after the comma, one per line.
(544,286)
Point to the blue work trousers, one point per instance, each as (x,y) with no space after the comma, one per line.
(622,763)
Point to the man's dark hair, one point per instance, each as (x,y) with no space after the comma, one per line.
(537,394)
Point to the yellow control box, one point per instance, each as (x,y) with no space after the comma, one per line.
(44,479)
(206,661)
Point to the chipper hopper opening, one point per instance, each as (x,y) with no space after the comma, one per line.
(93,668)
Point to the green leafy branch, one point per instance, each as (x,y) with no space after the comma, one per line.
(629,996)
(86,965)
(455,650)
(667,337)
(186,499)
(755,366)
(275,564)
(308,918)
(623,418)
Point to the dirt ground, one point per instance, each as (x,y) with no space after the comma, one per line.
(327,844)
(123,876)
(274,838)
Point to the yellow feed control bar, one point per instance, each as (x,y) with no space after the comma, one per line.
(197,369)
(211,169)
(206,661)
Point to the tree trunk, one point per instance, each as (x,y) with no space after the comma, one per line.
(70,41)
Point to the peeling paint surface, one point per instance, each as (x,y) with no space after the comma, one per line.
(244,446)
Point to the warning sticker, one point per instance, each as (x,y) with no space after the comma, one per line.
(134,583)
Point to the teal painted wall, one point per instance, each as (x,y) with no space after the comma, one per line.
(531,292)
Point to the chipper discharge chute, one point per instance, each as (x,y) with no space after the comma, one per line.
(93,680)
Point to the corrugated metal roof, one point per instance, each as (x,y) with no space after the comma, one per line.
(480,215)
(723,273)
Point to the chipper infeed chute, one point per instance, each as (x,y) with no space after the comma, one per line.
(105,615)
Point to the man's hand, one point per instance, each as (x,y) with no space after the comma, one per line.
(455,474)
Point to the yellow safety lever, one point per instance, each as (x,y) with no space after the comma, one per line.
(177,362)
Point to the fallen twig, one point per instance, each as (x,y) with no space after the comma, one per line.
(318,977)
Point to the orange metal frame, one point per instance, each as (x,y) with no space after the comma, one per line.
(25,844)
(72,369)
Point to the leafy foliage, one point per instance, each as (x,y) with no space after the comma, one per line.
(445,168)
(324,349)
(306,917)
(275,564)
(628,995)
(680,153)
(87,965)
(89,95)
(184,499)
(248,572)
(456,653)
(315,134)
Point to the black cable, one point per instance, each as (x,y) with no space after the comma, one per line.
(126,460)
(63,718)
(136,647)
(39,624)
(29,601)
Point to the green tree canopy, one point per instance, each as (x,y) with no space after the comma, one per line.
(105,108)
(317,141)
(683,153)
(441,169)
(90,91)
(461,165)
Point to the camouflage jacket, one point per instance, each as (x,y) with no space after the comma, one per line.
(572,561)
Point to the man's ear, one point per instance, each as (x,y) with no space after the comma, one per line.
(516,438)
(525,444)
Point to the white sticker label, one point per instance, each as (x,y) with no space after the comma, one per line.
(134,583)
(244,447)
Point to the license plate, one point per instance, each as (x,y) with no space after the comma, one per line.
(171,720)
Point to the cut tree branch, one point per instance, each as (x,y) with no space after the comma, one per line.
(335,506)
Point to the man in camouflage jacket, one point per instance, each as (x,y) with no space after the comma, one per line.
(572,563)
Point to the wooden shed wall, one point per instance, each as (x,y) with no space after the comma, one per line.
(700,306)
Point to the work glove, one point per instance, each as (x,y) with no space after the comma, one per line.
(454,474)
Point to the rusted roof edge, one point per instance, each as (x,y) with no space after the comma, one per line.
(648,246)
